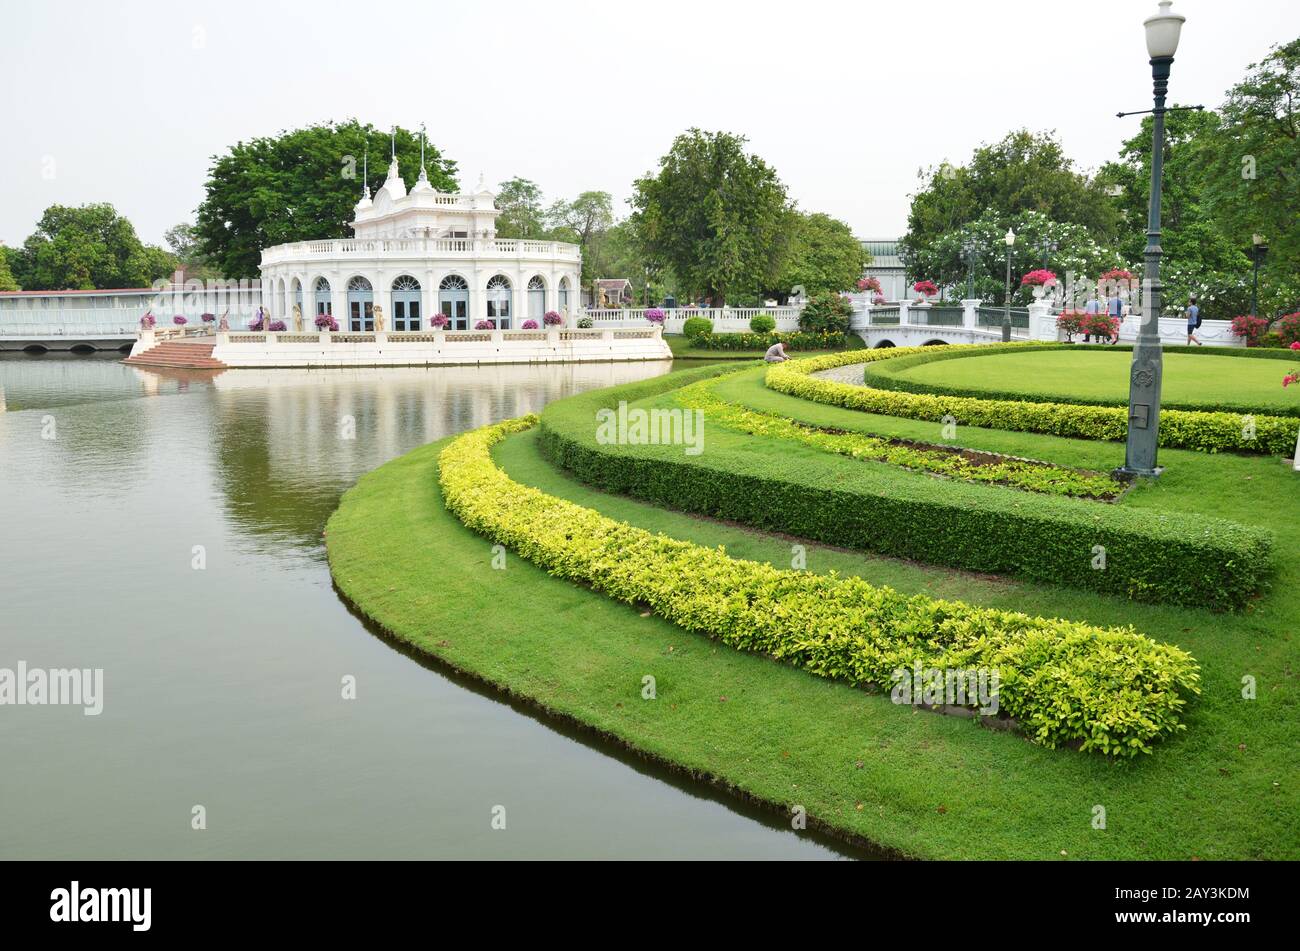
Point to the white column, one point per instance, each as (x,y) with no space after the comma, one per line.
(1042,326)
(904,306)
(970,313)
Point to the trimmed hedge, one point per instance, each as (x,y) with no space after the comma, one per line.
(1179,429)
(696,327)
(793,341)
(884,375)
(1107,690)
(1150,556)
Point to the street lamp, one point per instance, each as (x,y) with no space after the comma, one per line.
(1162,31)
(1047,246)
(1257,253)
(1010,239)
(970,250)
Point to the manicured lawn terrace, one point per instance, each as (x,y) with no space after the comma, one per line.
(921,783)
(1101,375)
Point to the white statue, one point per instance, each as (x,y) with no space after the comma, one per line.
(223,325)
(297,319)
(379,318)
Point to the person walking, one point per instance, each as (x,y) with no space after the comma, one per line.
(1193,322)
(1115,311)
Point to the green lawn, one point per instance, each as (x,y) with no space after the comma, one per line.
(921,783)
(1097,374)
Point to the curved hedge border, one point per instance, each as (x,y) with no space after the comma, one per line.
(884,375)
(1027,474)
(1179,429)
(1150,555)
(1109,690)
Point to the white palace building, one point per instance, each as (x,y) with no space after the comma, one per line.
(418,253)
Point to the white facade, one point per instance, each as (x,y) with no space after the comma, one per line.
(418,254)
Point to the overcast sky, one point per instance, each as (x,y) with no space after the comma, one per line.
(126,102)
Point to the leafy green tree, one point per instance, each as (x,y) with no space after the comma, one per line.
(299,185)
(183,241)
(584,221)
(818,253)
(1024,172)
(7,282)
(85,248)
(520,203)
(1251,172)
(713,214)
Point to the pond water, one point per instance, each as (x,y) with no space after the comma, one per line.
(222,686)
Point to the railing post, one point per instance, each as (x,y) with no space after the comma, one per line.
(904,312)
(1041,324)
(970,313)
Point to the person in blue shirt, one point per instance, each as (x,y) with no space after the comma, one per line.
(1115,310)
(1193,321)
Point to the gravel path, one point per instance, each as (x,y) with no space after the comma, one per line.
(852,373)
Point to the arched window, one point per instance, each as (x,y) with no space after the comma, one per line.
(321,294)
(564,295)
(536,298)
(453,301)
(498,301)
(406,303)
(361,304)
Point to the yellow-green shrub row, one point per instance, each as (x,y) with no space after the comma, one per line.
(1179,429)
(1020,473)
(1109,690)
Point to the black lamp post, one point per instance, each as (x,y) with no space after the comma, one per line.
(1162,31)
(1010,239)
(1047,246)
(970,250)
(1257,252)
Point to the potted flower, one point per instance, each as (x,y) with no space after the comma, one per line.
(528,324)
(869,284)
(439,322)
(655,316)
(207,318)
(180,320)
(486,325)
(924,288)
(255,324)
(1116,274)
(148,321)
(552,318)
(277,326)
(1039,280)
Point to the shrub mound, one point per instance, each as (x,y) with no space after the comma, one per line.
(1149,556)
(762,323)
(696,327)
(1179,429)
(1108,690)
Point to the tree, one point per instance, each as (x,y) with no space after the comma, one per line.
(7,282)
(520,204)
(712,214)
(183,241)
(86,248)
(299,185)
(1022,173)
(1251,172)
(819,253)
(585,221)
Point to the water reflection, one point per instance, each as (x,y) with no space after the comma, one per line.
(222,681)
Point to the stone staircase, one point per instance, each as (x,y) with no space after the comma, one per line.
(179,354)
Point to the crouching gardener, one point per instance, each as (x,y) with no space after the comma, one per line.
(776,353)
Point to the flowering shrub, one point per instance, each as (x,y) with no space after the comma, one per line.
(1293,376)
(1040,278)
(439,322)
(255,324)
(825,313)
(528,324)
(584,323)
(552,318)
(1288,329)
(1099,325)
(869,284)
(878,299)
(1116,274)
(926,288)
(655,315)
(179,320)
(1251,329)
(1070,322)
(207,318)
(486,325)
(277,326)
(325,322)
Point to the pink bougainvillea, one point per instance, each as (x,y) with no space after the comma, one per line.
(1040,278)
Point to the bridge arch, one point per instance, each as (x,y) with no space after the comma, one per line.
(883,345)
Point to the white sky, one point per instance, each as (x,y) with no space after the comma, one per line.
(113,101)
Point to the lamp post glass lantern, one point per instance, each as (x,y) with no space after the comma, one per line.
(1162,34)
(1010,240)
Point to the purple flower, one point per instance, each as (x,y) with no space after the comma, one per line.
(552,318)
(529,324)
(179,320)
(654,315)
